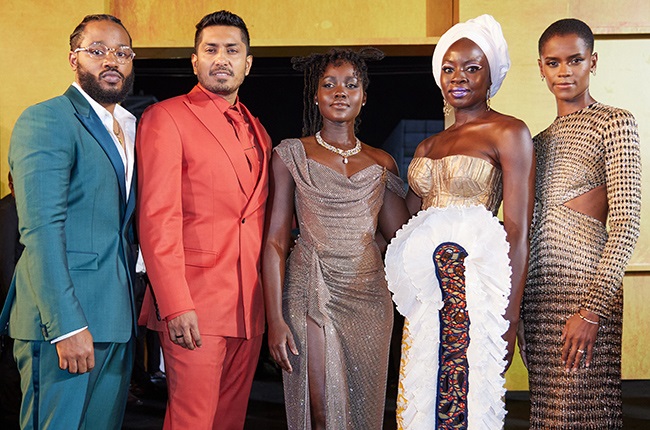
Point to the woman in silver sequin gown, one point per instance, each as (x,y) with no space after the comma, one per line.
(329,328)
(588,175)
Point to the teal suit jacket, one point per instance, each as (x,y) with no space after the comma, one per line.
(75,221)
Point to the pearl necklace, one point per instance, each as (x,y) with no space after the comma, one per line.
(345,154)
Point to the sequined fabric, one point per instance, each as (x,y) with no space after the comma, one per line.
(575,263)
(452,347)
(335,276)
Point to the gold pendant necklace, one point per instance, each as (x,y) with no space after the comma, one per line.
(345,154)
(118,132)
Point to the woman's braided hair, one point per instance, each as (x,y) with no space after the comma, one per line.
(314,66)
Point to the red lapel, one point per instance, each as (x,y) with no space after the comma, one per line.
(260,192)
(217,124)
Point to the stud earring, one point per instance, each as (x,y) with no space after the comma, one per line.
(593,72)
(316,103)
(543,77)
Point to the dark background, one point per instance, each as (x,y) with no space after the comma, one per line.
(400,88)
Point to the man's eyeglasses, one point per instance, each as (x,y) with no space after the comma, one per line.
(99,51)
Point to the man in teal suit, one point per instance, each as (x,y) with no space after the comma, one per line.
(70,306)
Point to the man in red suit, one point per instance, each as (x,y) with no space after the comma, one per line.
(202,186)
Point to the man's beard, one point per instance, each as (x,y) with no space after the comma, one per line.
(91,86)
(221,86)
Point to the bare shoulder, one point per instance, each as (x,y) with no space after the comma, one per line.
(381,157)
(425,146)
(512,140)
(510,124)
(509,130)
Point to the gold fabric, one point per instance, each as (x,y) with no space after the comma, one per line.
(335,277)
(459,180)
(576,263)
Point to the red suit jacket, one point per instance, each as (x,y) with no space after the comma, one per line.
(201,217)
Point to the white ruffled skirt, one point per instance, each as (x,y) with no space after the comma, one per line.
(415,280)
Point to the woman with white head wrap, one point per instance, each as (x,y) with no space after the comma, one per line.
(486,33)
(457,274)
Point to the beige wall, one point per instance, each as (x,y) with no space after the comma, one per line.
(285,23)
(34,44)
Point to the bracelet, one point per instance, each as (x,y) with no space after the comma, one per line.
(587,319)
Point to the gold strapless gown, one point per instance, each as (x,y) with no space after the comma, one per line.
(449,271)
(456,180)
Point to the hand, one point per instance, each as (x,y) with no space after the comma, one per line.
(279,337)
(510,336)
(76,353)
(184,330)
(579,337)
(521,340)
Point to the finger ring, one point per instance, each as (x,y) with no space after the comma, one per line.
(179,336)
(581,351)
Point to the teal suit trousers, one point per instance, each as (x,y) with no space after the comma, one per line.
(56,399)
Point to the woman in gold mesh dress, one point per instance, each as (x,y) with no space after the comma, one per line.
(588,175)
(329,328)
(456,273)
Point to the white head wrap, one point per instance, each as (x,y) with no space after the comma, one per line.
(486,32)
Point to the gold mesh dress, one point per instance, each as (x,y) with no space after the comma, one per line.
(335,276)
(450,274)
(575,263)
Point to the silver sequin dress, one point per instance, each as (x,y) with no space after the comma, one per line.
(335,276)
(576,263)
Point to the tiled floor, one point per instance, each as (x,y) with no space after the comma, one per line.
(266,409)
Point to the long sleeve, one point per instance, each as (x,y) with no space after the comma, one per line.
(623,179)
(160,209)
(42,156)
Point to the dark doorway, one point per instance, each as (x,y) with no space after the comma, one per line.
(400,88)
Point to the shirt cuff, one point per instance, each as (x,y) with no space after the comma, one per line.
(67,335)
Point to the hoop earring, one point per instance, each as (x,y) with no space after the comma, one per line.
(487,100)
(446,108)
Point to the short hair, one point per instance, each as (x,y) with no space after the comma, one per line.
(314,67)
(224,18)
(75,37)
(565,27)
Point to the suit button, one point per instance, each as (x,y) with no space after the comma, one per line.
(243,221)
